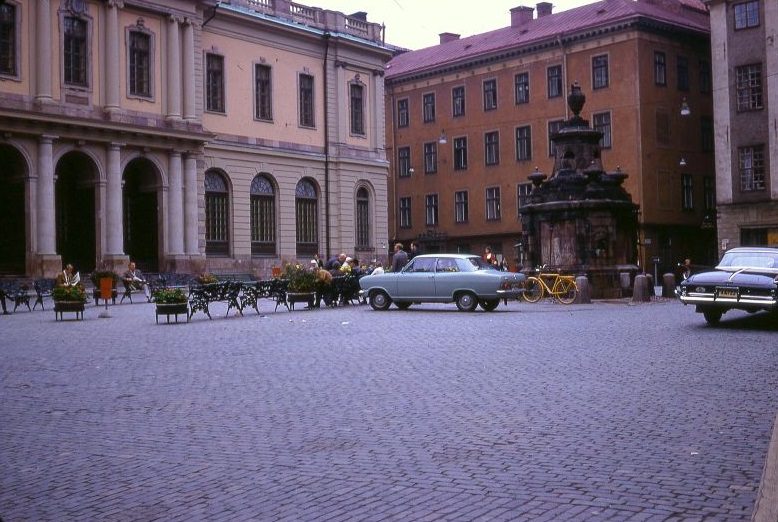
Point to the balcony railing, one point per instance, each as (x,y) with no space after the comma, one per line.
(325,19)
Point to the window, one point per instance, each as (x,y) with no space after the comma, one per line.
(8,39)
(600,72)
(306,213)
(747,15)
(521,84)
(431,208)
(216,214)
(263,91)
(461,209)
(682,66)
(430,158)
(492,148)
(263,216)
(662,128)
(140,64)
(404,162)
(490,95)
(705,80)
(660,68)
(553,128)
(751,162)
(493,203)
(458,101)
(706,134)
(357,109)
(602,123)
(428,106)
(74,52)
(460,153)
(402,113)
(523,190)
(405,212)
(749,87)
(523,143)
(554,81)
(709,193)
(306,101)
(363,219)
(214,82)
(687,192)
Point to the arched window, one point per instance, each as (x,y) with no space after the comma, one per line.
(217,239)
(263,216)
(363,219)
(306,212)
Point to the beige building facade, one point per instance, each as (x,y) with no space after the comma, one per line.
(188,135)
(744,44)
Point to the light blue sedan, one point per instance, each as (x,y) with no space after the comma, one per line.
(464,279)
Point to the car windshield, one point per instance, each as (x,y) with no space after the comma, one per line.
(749,260)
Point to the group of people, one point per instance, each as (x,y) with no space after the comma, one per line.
(132,277)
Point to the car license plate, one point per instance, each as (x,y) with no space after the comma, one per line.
(729,293)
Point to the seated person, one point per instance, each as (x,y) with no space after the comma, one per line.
(133,278)
(68,277)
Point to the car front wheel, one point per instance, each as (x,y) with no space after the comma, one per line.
(379,300)
(466,302)
(712,315)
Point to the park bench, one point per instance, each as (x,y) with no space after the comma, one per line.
(43,288)
(15,290)
(201,296)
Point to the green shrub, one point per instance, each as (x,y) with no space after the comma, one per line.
(69,293)
(300,279)
(169,296)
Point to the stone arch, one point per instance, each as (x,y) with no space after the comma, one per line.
(264,211)
(75,198)
(306,203)
(142,219)
(218,190)
(13,215)
(364,216)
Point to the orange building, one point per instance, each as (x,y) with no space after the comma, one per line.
(468,120)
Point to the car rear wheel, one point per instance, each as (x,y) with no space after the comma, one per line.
(403,305)
(379,300)
(466,302)
(712,315)
(489,304)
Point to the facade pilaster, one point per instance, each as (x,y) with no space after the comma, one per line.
(43,51)
(175,239)
(112,38)
(115,232)
(190,205)
(173,70)
(47,244)
(189,71)
(771,76)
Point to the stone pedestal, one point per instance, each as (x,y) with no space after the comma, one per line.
(48,265)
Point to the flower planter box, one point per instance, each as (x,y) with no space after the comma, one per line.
(174,309)
(300,297)
(61,307)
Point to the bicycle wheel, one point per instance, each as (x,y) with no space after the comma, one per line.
(566,291)
(533,291)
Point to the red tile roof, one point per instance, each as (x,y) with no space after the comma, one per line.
(687,14)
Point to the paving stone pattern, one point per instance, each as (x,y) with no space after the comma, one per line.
(605,411)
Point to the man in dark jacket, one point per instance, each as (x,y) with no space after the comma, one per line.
(400,257)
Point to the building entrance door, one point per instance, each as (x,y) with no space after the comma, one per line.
(141,215)
(75,214)
(12,216)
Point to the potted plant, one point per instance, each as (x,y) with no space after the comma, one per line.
(170,301)
(301,284)
(206,279)
(99,275)
(69,299)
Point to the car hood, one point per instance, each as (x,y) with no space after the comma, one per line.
(731,278)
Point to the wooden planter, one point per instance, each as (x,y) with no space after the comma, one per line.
(175,309)
(97,297)
(61,307)
(300,297)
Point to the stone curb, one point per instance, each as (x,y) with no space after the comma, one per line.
(766,508)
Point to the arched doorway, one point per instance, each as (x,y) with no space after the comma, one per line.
(141,214)
(75,203)
(13,244)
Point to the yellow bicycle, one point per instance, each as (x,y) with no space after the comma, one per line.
(560,287)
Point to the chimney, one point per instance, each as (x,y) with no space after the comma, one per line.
(448,37)
(521,15)
(544,9)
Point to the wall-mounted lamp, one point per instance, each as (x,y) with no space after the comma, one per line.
(411,170)
(442,140)
(685,111)
(682,163)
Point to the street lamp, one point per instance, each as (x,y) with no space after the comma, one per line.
(685,111)
(442,139)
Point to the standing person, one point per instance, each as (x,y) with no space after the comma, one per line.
(400,257)
(414,250)
(686,269)
(490,258)
(68,276)
(133,278)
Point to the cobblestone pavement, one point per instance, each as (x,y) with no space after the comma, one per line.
(606,411)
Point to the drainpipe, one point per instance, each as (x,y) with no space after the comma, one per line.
(564,72)
(326,37)
(215,7)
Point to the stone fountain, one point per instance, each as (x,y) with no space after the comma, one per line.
(581,220)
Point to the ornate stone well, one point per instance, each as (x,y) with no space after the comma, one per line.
(581,220)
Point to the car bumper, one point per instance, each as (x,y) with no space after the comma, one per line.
(739,302)
(512,293)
